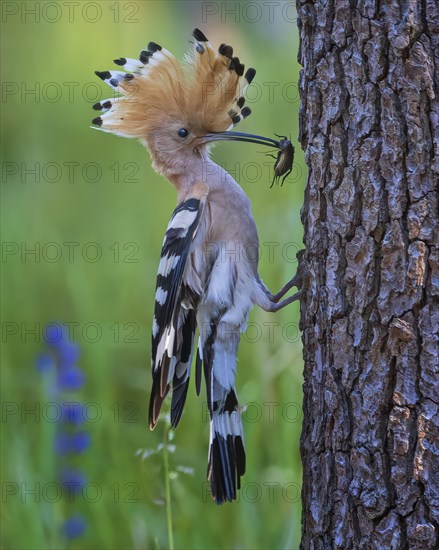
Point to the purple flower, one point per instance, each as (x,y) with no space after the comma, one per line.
(54,334)
(80,442)
(71,378)
(73,413)
(62,443)
(69,438)
(74,527)
(73,480)
(66,443)
(69,354)
(44,362)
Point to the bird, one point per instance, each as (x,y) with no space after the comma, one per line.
(207,282)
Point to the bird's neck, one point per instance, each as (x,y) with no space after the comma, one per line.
(200,169)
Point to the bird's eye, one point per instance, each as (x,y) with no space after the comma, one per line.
(183,132)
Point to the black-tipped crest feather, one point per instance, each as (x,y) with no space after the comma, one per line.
(198,35)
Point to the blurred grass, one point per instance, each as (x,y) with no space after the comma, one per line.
(51,130)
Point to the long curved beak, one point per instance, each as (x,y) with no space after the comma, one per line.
(239,136)
(285,155)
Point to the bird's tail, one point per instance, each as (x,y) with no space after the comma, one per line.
(226,450)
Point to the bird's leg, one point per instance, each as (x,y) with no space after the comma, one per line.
(273,306)
(300,280)
(295,281)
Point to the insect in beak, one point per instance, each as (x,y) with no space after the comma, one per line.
(285,156)
(284,161)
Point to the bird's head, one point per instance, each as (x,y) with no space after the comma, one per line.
(177,110)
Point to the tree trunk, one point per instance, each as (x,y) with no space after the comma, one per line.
(369,124)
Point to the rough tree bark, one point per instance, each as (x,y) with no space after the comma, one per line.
(369,124)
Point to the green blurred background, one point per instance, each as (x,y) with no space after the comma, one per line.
(63,182)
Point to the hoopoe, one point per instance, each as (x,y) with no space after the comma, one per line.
(176,112)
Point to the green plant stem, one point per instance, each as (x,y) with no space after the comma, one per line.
(168,489)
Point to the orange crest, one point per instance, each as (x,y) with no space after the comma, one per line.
(205,95)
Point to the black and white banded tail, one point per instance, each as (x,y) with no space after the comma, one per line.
(226,451)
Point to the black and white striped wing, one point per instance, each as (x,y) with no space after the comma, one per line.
(173,326)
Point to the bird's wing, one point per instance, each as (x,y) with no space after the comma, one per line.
(174,324)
